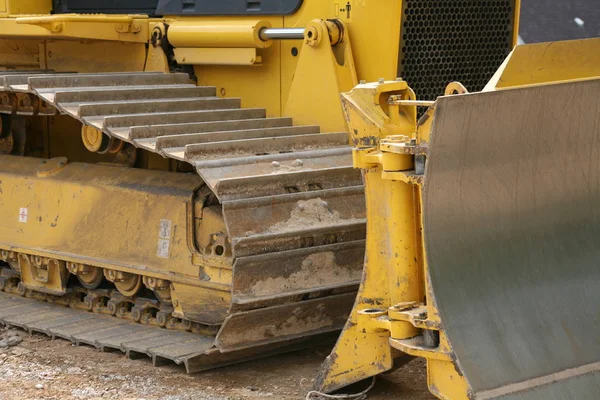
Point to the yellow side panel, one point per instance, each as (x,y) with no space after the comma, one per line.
(74,214)
(549,62)
(95,56)
(257,86)
(20,54)
(26,6)
(319,79)
(374,27)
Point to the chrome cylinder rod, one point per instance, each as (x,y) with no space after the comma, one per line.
(282,33)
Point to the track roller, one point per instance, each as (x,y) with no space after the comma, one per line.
(90,277)
(127,284)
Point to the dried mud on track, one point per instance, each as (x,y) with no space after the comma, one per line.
(39,368)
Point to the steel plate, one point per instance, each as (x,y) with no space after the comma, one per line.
(512,228)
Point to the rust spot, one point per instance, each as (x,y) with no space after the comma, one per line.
(203,275)
(366,300)
(53,224)
(455,364)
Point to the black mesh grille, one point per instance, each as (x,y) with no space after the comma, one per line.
(453,40)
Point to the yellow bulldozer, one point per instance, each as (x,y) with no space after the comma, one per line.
(181,179)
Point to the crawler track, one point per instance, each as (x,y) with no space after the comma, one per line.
(193,351)
(263,171)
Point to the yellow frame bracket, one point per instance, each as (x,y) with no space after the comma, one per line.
(123,28)
(390,318)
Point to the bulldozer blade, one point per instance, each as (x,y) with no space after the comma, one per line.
(511,221)
(511,227)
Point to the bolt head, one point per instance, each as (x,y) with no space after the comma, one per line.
(422,315)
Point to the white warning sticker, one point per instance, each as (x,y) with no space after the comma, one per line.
(163,248)
(23,215)
(164,231)
(164,238)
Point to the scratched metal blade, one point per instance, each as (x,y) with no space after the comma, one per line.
(512,228)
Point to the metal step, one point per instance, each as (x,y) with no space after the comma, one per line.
(87,94)
(159,138)
(225,136)
(214,172)
(37,82)
(79,110)
(262,146)
(119,125)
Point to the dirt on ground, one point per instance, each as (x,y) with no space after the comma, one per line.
(35,367)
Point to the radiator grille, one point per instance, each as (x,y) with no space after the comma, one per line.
(453,40)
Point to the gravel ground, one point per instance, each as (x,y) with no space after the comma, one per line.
(35,367)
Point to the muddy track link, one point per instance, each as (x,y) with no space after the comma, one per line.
(263,171)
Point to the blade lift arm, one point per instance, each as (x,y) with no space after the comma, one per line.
(394,317)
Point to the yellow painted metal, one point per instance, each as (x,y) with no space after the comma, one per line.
(217,56)
(25,6)
(516,23)
(94,27)
(396,244)
(360,352)
(392,264)
(323,71)
(43,274)
(266,86)
(367,108)
(107,198)
(373,28)
(219,34)
(257,86)
(156,59)
(395,307)
(540,63)
(92,138)
(445,381)
(44,20)
(82,56)
(21,54)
